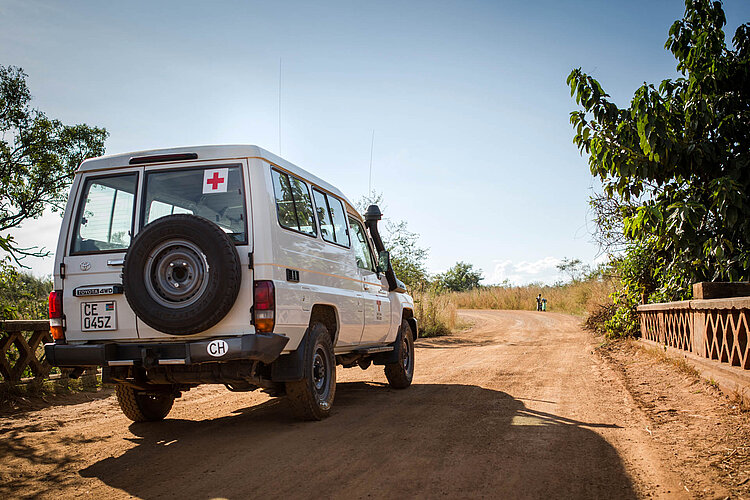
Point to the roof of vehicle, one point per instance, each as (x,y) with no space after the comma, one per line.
(212,152)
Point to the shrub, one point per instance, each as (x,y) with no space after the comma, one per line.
(22,296)
(435,313)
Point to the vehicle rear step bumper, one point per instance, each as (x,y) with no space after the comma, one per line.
(258,347)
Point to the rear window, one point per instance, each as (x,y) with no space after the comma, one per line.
(214,193)
(105,216)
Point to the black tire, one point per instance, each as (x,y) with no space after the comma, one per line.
(312,397)
(182,274)
(141,407)
(400,374)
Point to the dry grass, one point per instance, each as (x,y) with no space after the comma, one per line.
(574,298)
(437,312)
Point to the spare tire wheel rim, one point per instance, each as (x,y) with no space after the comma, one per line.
(176,273)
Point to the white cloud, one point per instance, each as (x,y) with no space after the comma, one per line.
(523,272)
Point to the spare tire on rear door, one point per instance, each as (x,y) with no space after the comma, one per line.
(182,274)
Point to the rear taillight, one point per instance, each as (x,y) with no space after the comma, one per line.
(264,306)
(56,314)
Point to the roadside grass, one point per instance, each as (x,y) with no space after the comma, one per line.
(437,314)
(437,311)
(578,297)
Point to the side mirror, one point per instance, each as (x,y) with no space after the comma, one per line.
(384,261)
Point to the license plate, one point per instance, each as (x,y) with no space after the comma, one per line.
(98,316)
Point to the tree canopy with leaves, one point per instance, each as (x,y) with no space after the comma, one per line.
(459,278)
(675,164)
(38,157)
(407,257)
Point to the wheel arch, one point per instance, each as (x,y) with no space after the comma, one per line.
(327,314)
(408,315)
(289,367)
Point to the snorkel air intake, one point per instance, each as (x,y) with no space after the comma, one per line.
(372,216)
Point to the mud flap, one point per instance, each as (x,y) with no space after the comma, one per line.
(288,367)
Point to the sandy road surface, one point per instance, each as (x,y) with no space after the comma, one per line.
(518,406)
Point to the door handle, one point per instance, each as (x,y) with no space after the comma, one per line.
(116,262)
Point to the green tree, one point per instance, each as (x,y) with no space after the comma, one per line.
(674,165)
(38,157)
(408,259)
(459,278)
(22,295)
(574,268)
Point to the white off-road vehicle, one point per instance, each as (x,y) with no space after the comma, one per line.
(222,265)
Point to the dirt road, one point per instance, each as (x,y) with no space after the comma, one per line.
(517,406)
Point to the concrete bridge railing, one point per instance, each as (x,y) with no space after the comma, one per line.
(710,328)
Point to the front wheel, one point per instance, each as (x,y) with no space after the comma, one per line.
(140,406)
(312,397)
(400,374)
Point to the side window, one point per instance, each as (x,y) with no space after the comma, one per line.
(293,203)
(324,215)
(304,206)
(339,220)
(105,215)
(332,219)
(361,248)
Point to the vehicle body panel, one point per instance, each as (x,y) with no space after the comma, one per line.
(327,274)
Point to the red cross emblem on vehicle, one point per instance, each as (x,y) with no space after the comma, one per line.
(215,180)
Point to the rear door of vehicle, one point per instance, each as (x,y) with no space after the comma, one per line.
(216,190)
(98,236)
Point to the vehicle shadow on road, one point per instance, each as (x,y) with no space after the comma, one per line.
(428,440)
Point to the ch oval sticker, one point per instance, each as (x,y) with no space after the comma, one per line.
(217,348)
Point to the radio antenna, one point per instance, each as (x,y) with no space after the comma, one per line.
(279,106)
(372,146)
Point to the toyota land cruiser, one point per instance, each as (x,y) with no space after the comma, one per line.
(222,265)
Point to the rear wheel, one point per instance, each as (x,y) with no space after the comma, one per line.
(400,374)
(140,406)
(312,397)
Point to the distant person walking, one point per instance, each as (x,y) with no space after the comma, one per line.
(544,305)
(539,302)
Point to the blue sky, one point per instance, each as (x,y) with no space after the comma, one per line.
(467,99)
